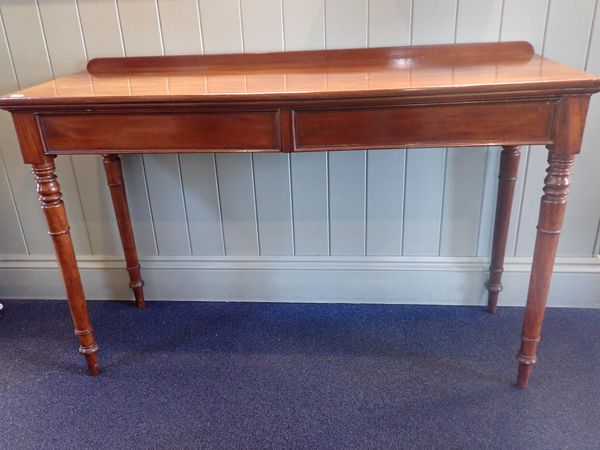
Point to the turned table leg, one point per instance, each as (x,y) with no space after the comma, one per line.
(509,165)
(552,212)
(114,177)
(58,228)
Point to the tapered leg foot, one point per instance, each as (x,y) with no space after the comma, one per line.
(509,166)
(91,359)
(552,212)
(137,286)
(114,177)
(493,292)
(524,374)
(58,228)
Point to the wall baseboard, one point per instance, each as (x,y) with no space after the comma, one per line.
(415,280)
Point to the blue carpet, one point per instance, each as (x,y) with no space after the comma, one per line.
(238,375)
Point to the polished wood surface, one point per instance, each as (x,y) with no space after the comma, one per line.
(427,96)
(468,124)
(507,179)
(552,213)
(116,184)
(199,131)
(401,71)
(50,197)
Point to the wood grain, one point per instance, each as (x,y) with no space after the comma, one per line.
(509,167)
(52,204)
(155,132)
(423,126)
(114,178)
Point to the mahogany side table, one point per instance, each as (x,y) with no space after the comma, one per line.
(378,98)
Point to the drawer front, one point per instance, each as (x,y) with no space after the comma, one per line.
(424,126)
(198,131)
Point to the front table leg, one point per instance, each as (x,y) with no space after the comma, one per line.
(552,212)
(58,228)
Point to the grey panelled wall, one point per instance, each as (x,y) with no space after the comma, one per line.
(390,226)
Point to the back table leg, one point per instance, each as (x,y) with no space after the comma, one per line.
(509,166)
(114,177)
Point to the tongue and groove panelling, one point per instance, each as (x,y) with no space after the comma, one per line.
(435,202)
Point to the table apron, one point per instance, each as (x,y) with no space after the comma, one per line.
(299,128)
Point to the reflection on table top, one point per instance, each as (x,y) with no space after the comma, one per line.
(312,74)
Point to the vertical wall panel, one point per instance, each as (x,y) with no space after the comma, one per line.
(15,18)
(70,190)
(346,23)
(101,30)
(168,206)
(236,187)
(102,37)
(524,20)
(583,211)
(567,38)
(8,77)
(423,202)
(221,27)
(163,176)
(488,202)
(581,220)
(262,25)
(63,33)
(311,207)
(139,204)
(478,21)
(180,27)
(530,203)
(345,26)
(12,241)
(304,28)
(465,169)
(568,31)
(273,203)
(23,188)
(385,201)
(99,27)
(389,22)
(26,37)
(303,24)
(63,36)
(591,137)
(464,182)
(222,33)
(347,202)
(12,237)
(140,27)
(97,205)
(202,203)
(432,23)
(180,23)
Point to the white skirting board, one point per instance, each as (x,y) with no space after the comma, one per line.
(413,280)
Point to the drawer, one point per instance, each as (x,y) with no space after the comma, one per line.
(424,125)
(161,132)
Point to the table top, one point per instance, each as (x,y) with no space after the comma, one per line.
(373,72)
